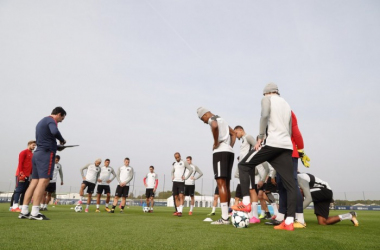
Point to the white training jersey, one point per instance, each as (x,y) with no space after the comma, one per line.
(125,174)
(224,138)
(150,180)
(278,126)
(308,188)
(105,175)
(247,143)
(57,169)
(179,170)
(191,181)
(92,173)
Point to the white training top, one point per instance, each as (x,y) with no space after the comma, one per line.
(276,121)
(224,138)
(304,183)
(191,181)
(105,175)
(179,170)
(125,174)
(247,143)
(57,169)
(151,180)
(92,172)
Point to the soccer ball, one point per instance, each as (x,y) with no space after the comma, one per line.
(78,208)
(239,219)
(146,209)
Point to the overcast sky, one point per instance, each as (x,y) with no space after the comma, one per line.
(131,74)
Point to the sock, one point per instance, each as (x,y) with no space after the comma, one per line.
(106,204)
(180,208)
(246,200)
(80,198)
(267,214)
(254,210)
(191,208)
(45,205)
(122,207)
(300,218)
(224,208)
(289,220)
(280,217)
(15,205)
(25,209)
(213,210)
(347,216)
(97,206)
(262,212)
(275,209)
(113,207)
(87,206)
(151,208)
(35,210)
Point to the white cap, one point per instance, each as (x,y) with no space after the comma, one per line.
(201,111)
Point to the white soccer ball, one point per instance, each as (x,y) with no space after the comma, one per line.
(146,209)
(239,219)
(78,208)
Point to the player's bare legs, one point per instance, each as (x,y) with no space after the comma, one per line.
(224,195)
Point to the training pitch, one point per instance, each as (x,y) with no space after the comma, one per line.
(160,230)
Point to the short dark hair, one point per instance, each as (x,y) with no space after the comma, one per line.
(107,160)
(189,157)
(31,142)
(176,153)
(58,157)
(239,127)
(58,110)
(126,158)
(151,167)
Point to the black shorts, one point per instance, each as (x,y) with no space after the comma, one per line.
(90,187)
(321,198)
(149,193)
(216,191)
(105,188)
(238,192)
(223,163)
(269,187)
(122,191)
(178,188)
(51,187)
(189,190)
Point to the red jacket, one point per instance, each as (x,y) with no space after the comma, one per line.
(297,139)
(25,162)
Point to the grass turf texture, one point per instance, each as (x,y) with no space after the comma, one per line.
(160,230)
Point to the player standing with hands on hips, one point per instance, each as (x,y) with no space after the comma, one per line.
(47,134)
(223,158)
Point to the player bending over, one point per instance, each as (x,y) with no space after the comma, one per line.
(319,192)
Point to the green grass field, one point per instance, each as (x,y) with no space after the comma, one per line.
(160,230)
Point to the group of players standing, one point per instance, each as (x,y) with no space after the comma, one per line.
(279,143)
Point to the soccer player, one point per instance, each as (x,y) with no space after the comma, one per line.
(215,202)
(124,177)
(51,188)
(89,181)
(275,127)
(190,183)
(319,192)
(47,134)
(104,185)
(24,170)
(248,142)
(265,193)
(298,146)
(223,158)
(151,184)
(178,178)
